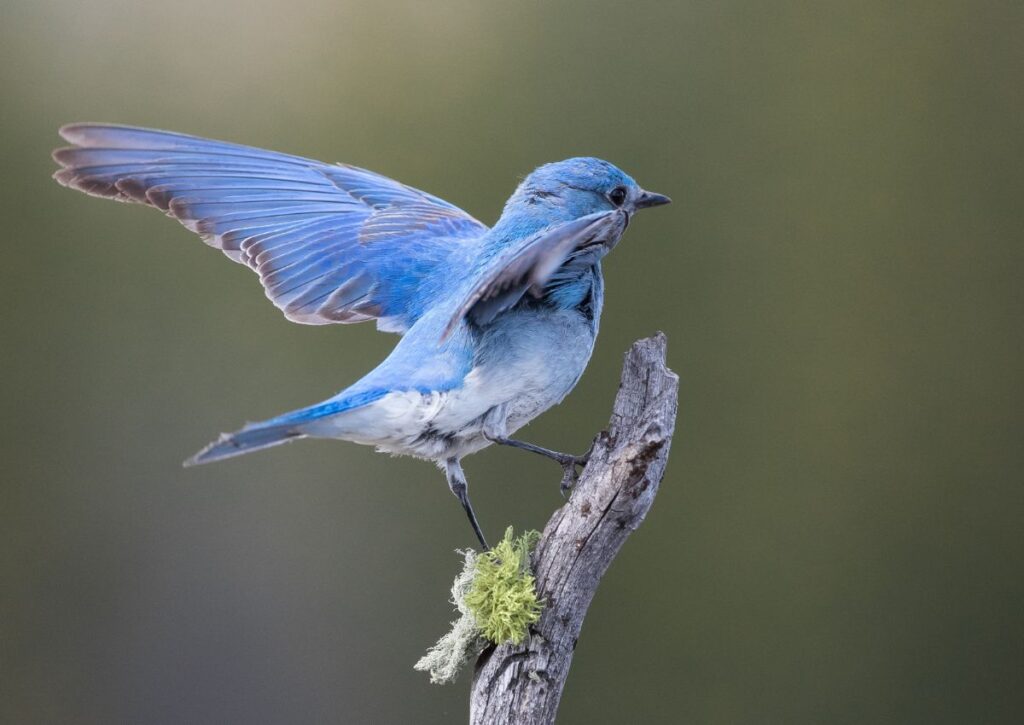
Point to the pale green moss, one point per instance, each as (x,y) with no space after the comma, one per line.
(502,597)
(495,596)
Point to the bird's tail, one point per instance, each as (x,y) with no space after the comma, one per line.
(252,437)
(284,428)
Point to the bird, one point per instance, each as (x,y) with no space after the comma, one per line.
(497,324)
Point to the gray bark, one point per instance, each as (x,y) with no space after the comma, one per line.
(523,684)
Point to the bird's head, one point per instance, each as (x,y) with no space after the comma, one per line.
(567,190)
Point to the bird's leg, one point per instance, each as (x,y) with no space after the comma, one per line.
(567,461)
(457,483)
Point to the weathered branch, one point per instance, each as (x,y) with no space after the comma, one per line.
(523,684)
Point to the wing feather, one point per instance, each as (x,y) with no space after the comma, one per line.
(330,243)
(530,264)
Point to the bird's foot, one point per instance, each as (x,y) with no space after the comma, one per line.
(569,473)
(567,461)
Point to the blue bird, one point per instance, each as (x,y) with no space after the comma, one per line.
(497,324)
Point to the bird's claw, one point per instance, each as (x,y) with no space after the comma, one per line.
(568,480)
(569,473)
(569,463)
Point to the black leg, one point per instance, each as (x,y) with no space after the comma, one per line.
(567,461)
(457,483)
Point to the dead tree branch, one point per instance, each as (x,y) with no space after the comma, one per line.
(523,684)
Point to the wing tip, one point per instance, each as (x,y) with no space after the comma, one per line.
(70,131)
(61,176)
(78,132)
(63,155)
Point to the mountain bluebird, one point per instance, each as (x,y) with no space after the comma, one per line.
(497,324)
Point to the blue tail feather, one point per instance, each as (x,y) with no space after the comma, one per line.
(249,439)
(281,429)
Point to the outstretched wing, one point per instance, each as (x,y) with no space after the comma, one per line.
(530,264)
(330,243)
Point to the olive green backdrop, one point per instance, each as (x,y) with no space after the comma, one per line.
(839,535)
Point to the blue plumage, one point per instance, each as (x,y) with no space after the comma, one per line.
(497,324)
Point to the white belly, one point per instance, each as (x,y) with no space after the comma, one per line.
(525,366)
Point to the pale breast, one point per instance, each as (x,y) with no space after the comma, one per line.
(525,365)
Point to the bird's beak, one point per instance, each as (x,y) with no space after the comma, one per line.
(649,198)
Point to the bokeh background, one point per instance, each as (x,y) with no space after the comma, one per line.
(839,536)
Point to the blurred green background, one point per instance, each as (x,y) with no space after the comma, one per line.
(839,535)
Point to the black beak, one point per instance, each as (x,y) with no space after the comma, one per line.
(649,198)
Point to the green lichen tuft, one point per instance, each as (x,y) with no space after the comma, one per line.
(502,597)
(495,597)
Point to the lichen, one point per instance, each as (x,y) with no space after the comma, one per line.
(502,597)
(463,642)
(496,600)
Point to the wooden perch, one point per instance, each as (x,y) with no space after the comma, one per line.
(523,684)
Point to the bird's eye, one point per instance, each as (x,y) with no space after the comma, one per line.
(617,196)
